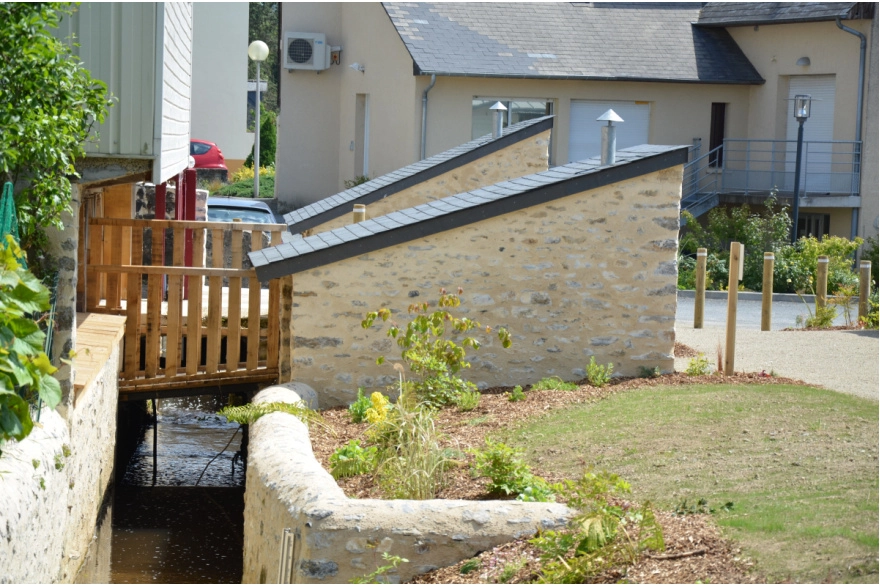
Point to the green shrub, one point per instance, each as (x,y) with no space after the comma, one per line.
(468,401)
(508,473)
(554,384)
(358,409)
(516,394)
(699,365)
(352,459)
(599,375)
(649,372)
(245,187)
(268,140)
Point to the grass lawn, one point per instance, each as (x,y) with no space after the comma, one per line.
(798,463)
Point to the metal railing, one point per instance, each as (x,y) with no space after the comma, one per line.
(757,166)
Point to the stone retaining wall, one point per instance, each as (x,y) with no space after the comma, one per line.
(288,489)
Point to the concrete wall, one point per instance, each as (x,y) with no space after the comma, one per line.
(219,79)
(288,489)
(869,218)
(53,483)
(589,274)
(523,158)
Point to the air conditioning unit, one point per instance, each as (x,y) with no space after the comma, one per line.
(306,51)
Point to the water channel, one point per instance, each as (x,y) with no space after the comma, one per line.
(185,524)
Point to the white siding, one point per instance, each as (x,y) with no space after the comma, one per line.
(176,90)
(219,102)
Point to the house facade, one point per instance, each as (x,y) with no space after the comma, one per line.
(415,79)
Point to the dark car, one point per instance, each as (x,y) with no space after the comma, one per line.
(223,209)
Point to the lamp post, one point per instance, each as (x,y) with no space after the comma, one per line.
(801,114)
(257,51)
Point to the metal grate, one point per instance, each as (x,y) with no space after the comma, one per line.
(299,50)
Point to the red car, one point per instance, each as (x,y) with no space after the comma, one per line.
(207,154)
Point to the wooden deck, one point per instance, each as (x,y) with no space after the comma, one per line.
(96,336)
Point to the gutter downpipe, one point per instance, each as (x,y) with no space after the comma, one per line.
(858,154)
(425,115)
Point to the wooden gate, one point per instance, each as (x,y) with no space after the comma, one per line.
(177,335)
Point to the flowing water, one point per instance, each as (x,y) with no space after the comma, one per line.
(167,529)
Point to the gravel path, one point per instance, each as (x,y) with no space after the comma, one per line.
(842,360)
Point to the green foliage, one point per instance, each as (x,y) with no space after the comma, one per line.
(358,409)
(845,298)
(470,566)
(468,401)
(358,180)
(352,459)
(268,140)
(602,535)
(698,365)
(599,375)
(554,384)
(508,473)
(649,373)
(433,358)
(48,107)
(870,321)
(25,370)
(509,570)
(516,394)
(870,253)
(250,413)
(701,507)
(263,26)
(245,187)
(381,574)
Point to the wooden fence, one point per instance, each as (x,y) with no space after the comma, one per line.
(171,340)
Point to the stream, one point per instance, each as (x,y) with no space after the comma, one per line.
(167,529)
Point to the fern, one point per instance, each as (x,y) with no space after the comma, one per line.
(250,413)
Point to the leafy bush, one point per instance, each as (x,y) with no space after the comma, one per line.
(870,253)
(250,413)
(25,370)
(649,373)
(268,140)
(468,401)
(352,459)
(516,394)
(508,473)
(699,365)
(871,320)
(358,409)
(245,187)
(554,384)
(599,375)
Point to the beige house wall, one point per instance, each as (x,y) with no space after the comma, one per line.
(868,218)
(523,158)
(590,274)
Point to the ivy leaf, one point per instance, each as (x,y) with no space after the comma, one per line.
(15,417)
(50,391)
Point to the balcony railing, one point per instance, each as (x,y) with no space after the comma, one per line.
(756,167)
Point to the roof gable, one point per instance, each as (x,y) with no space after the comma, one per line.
(601,41)
(353,240)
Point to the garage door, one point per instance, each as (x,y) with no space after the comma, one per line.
(585,133)
(816,174)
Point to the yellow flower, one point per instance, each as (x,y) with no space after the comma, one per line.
(379,411)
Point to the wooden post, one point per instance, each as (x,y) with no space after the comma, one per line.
(359,214)
(864,287)
(822,282)
(736,257)
(767,292)
(155,438)
(700,293)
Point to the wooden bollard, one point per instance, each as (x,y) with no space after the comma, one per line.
(700,286)
(736,261)
(359,214)
(767,292)
(864,287)
(822,282)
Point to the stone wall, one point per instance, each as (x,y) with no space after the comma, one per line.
(53,484)
(523,158)
(288,489)
(590,274)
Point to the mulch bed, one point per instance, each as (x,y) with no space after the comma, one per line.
(695,549)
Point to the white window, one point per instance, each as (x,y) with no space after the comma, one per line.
(585,132)
(518,110)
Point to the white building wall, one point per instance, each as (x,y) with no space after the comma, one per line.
(219,80)
(177,20)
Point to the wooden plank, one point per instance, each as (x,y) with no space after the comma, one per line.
(175,307)
(272,338)
(194,307)
(195,224)
(253,316)
(114,285)
(200,380)
(154,305)
(149,270)
(233,312)
(97,336)
(95,257)
(131,363)
(215,305)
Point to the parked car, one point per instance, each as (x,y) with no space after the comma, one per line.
(225,209)
(209,161)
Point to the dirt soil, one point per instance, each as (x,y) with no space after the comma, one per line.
(695,549)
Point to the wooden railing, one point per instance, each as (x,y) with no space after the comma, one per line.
(171,340)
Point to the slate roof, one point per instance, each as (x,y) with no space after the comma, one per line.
(402,226)
(752,13)
(569,40)
(334,206)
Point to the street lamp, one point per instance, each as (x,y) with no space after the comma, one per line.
(257,51)
(801,114)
